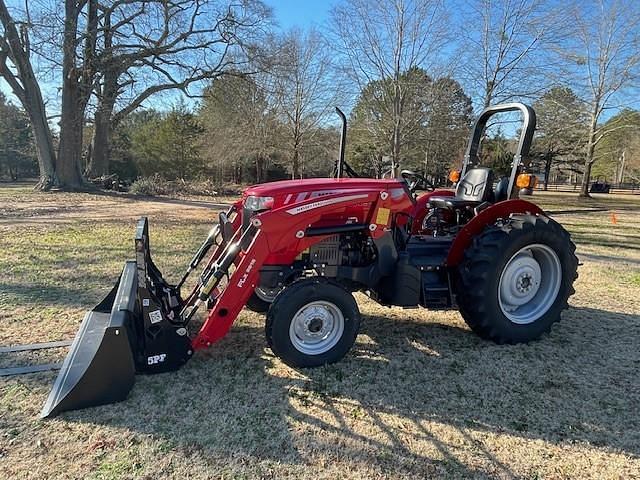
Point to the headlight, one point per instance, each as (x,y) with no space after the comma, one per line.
(258,203)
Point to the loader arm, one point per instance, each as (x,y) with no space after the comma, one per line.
(216,240)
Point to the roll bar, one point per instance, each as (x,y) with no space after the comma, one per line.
(524,144)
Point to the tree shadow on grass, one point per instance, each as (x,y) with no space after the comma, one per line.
(607,258)
(577,384)
(48,294)
(226,402)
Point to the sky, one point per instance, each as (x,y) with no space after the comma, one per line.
(287,13)
(300,13)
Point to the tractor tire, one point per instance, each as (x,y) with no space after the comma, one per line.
(260,301)
(516,279)
(312,322)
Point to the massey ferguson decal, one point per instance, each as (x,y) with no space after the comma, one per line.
(300,197)
(322,203)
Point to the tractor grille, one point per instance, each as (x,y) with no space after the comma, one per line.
(326,252)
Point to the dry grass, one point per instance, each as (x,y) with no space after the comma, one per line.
(420,395)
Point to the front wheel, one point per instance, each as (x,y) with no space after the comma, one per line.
(262,298)
(312,322)
(516,278)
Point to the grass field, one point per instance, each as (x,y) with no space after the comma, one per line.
(420,396)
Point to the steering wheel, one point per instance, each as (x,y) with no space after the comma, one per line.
(416,181)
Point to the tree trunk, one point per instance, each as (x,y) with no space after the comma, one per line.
(77,82)
(395,141)
(591,148)
(622,166)
(103,125)
(295,164)
(44,144)
(588,162)
(547,170)
(395,151)
(25,87)
(586,176)
(99,158)
(260,174)
(104,121)
(68,166)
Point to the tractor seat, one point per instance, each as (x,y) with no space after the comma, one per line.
(472,190)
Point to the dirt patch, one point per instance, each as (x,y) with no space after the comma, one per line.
(21,206)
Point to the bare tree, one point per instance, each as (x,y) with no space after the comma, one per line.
(239,124)
(381,40)
(125,51)
(502,48)
(78,77)
(603,58)
(152,46)
(75,27)
(17,71)
(304,90)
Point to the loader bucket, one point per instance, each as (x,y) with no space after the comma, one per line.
(135,329)
(99,367)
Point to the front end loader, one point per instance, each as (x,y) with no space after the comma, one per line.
(298,250)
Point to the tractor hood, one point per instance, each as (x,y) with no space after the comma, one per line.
(294,191)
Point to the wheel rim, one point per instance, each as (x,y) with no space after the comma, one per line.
(316,328)
(267,294)
(529,283)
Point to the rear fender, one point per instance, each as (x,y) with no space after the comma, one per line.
(486,217)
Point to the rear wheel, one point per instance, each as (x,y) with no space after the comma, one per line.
(312,322)
(516,278)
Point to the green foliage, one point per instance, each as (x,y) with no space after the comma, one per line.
(435,120)
(124,158)
(560,134)
(17,151)
(447,130)
(497,154)
(618,153)
(168,145)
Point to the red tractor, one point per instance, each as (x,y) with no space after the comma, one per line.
(297,250)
